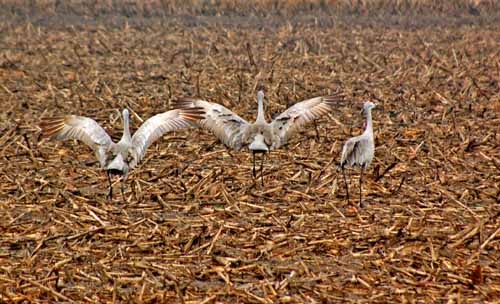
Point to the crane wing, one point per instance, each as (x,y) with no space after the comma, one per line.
(301,113)
(156,126)
(356,152)
(222,122)
(81,128)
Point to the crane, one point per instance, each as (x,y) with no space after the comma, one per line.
(260,136)
(118,158)
(359,151)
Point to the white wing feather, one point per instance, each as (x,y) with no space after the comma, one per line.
(301,113)
(81,128)
(154,128)
(222,122)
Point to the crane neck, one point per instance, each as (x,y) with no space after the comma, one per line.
(126,128)
(369,123)
(260,111)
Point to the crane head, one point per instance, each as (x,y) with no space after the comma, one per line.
(125,114)
(367,106)
(260,95)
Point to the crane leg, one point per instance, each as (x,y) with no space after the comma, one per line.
(254,175)
(262,168)
(124,180)
(123,190)
(346,185)
(110,194)
(361,187)
(316,128)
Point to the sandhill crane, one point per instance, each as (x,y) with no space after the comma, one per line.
(260,136)
(119,158)
(359,150)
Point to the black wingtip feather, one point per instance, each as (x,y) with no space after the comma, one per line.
(194,113)
(182,103)
(51,126)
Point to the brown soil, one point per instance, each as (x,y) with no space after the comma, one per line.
(196,226)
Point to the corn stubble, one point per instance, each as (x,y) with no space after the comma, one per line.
(196,227)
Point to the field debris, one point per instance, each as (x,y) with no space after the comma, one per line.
(196,227)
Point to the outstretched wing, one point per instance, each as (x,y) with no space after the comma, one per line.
(81,128)
(156,126)
(222,122)
(301,113)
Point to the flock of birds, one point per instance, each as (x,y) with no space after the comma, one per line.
(260,136)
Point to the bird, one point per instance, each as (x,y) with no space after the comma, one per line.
(260,136)
(359,151)
(118,158)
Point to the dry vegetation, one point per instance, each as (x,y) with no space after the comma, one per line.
(196,227)
(242,7)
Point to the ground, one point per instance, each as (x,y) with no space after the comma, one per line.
(196,227)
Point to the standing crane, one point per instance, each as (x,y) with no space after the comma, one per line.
(119,158)
(260,136)
(359,150)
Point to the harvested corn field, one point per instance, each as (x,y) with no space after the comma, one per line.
(196,226)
